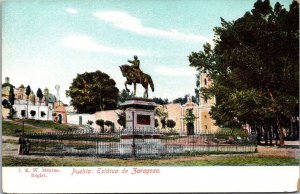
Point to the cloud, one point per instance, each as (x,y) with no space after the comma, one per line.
(71,10)
(125,21)
(175,71)
(86,43)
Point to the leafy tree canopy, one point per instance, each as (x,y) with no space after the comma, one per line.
(93,91)
(28,91)
(160,101)
(124,95)
(39,94)
(183,100)
(254,65)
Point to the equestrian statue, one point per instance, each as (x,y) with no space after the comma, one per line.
(134,75)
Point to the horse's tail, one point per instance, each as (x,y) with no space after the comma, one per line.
(151,83)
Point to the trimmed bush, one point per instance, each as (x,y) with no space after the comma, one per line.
(228,134)
(171,123)
(32,113)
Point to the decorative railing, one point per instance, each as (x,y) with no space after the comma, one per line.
(135,143)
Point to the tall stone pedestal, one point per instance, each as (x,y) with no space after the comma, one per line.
(140,136)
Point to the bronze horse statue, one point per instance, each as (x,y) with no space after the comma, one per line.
(134,78)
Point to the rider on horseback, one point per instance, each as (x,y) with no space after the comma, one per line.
(136,67)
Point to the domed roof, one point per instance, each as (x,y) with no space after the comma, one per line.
(50,98)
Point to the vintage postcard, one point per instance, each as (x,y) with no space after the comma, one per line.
(110,96)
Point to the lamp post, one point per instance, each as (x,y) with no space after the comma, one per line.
(57,87)
(133,137)
(23,127)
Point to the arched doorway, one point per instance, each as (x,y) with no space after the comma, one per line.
(59,119)
(190,128)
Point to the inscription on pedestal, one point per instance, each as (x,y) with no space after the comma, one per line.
(143,119)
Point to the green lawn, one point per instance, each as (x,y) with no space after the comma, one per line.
(13,129)
(83,161)
(46,124)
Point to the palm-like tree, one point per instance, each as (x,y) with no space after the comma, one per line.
(27,92)
(11,99)
(40,95)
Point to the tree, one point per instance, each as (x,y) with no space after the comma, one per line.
(40,95)
(156,123)
(43,113)
(255,77)
(124,95)
(121,119)
(93,91)
(11,99)
(171,124)
(162,114)
(183,100)
(100,123)
(32,113)
(5,103)
(110,124)
(23,113)
(160,101)
(27,92)
(89,122)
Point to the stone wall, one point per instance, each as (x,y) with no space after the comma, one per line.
(38,109)
(110,115)
(75,119)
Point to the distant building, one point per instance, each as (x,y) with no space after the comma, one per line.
(60,113)
(5,88)
(44,110)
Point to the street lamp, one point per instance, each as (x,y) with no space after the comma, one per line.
(57,89)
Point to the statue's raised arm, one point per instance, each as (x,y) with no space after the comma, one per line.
(135,63)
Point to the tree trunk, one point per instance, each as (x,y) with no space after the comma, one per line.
(11,113)
(296,129)
(270,135)
(27,108)
(281,135)
(258,134)
(275,130)
(265,134)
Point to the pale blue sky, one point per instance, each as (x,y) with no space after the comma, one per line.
(45,43)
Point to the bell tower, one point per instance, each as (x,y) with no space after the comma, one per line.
(206,122)
(205,82)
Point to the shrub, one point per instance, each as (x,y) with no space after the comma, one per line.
(43,114)
(121,119)
(100,123)
(156,123)
(32,113)
(108,123)
(89,122)
(23,113)
(227,133)
(5,103)
(171,123)
(163,122)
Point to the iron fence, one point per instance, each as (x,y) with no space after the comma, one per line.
(136,143)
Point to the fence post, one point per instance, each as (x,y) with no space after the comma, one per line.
(193,142)
(45,144)
(97,144)
(133,138)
